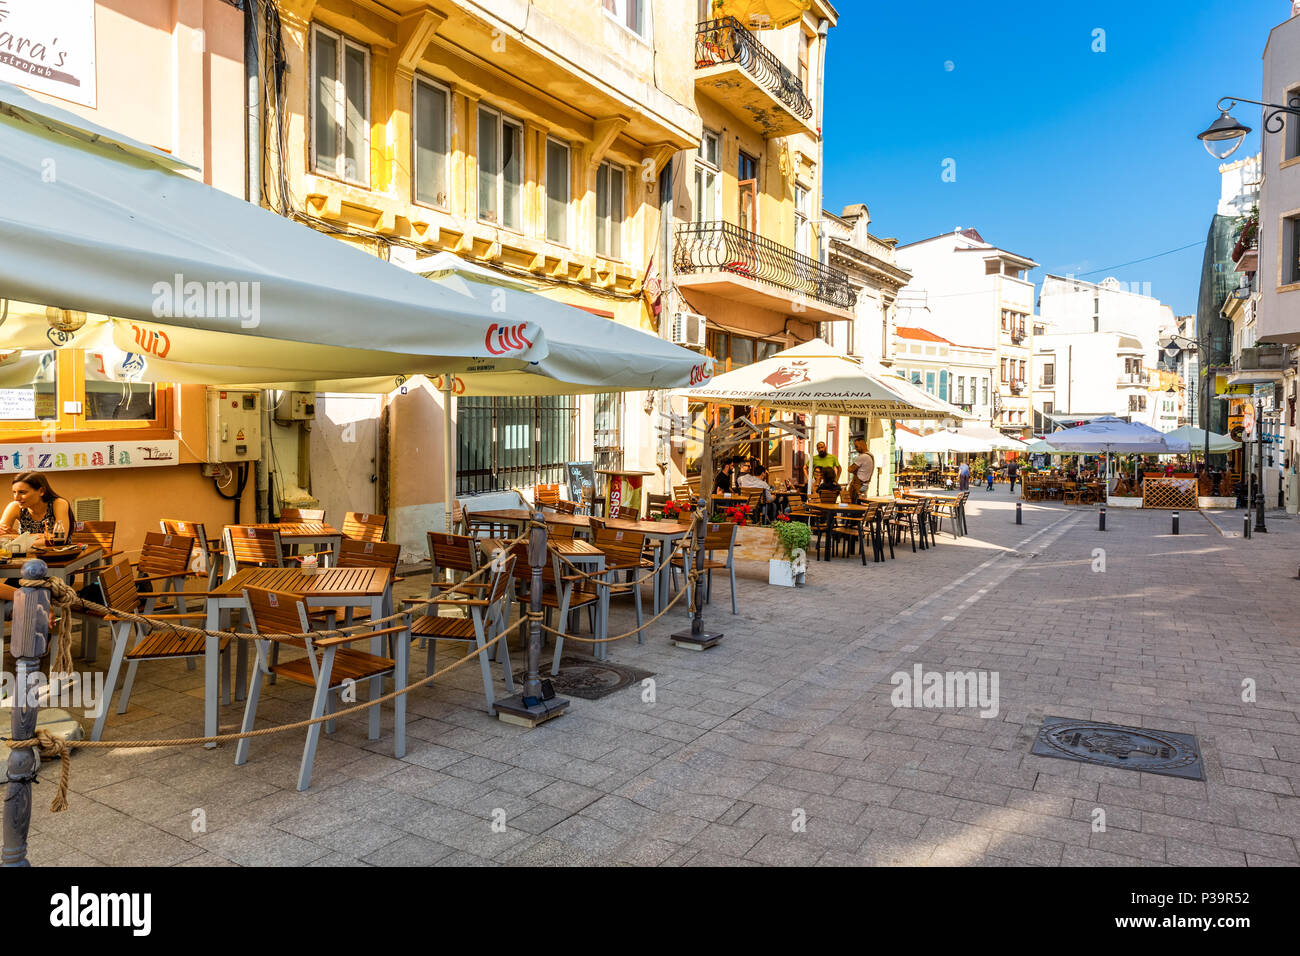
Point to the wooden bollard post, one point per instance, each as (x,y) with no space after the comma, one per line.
(697,639)
(31,637)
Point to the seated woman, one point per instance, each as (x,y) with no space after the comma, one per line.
(825,479)
(36,509)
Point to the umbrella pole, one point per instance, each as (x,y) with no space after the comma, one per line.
(809,444)
(447,488)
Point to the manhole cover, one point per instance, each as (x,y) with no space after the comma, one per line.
(591,679)
(1110,745)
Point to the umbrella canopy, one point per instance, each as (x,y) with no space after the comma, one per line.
(1189,438)
(760,14)
(1041,447)
(1109,434)
(993,440)
(812,377)
(181,282)
(939,442)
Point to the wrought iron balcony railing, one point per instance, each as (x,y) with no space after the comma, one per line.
(723,247)
(727,41)
(1017,386)
(1017,336)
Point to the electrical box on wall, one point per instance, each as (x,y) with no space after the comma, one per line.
(295,407)
(234,425)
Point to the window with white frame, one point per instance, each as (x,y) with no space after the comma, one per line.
(961,389)
(610,186)
(340,143)
(432,136)
(500,168)
(630,13)
(708,177)
(557,191)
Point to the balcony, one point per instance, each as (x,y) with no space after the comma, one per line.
(1260,365)
(1017,336)
(1017,386)
(725,260)
(1134,378)
(746,77)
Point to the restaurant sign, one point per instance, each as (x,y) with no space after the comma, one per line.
(49,47)
(83,456)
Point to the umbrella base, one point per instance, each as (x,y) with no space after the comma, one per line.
(512,711)
(695,642)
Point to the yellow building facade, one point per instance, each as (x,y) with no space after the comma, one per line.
(525,137)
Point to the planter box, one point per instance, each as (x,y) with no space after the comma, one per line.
(1229,502)
(1113,502)
(781,572)
(755,543)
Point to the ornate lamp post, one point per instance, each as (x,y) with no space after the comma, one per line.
(1222,137)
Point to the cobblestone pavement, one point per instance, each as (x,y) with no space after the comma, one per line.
(790,719)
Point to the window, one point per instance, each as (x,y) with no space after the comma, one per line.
(1005,319)
(609,211)
(1003,364)
(630,13)
(513,441)
(1038,330)
(32,387)
(1291,248)
(1021,376)
(802,226)
(431,140)
(340,107)
(1049,373)
(1292,146)
(747,191)
(943,384)
(961,389)
(804,44)
(916,378)
(108,398)
(1048,408)
(557,191)
(929,382)
(708,178)
(992,268)
(500,168)
(986,392)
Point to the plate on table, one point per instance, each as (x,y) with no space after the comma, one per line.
(59,551)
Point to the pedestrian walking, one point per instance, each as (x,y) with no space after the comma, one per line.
(1012,471)
(963,477)
(989,475)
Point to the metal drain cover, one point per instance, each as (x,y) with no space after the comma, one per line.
(1130,748)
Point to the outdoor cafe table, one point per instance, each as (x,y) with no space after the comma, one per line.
(848,510)
(580,553)
(662,533)
(64,569)
(370,588)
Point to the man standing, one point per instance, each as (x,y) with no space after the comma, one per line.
(863,466)
(963,477)
(826,462)
(1013,470)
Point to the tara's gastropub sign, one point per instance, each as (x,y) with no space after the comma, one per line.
(49,46)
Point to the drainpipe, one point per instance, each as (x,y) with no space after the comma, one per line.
(664,404)
(253,193)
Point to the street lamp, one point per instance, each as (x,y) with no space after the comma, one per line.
(1225,134)
(1174,350)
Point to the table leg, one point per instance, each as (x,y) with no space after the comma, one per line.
(376,683)
(399,704)
(602,614)
(241,658)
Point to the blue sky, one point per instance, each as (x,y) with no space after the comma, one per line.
(1080,160)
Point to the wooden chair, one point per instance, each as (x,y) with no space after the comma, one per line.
(118,582)
(566,531)
(627,514)
(717,537)
(546,496)
(624,551)
(856,530)
(359,554)
(906,516)
(294,515)
(954,511)
(1073,493)
(248,547)
(828,496)
(451,557)
(563,594)
(481,527)
(364,527)
(164,558)
(206,560)
(682,493)
(330,665)
(656,503)
(487,616)
(566,507)
(95,534)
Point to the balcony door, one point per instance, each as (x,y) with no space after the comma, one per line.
(747,183)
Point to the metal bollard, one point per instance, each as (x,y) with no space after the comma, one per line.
(1101,518)
(1175,522)
(1018,513)
(1245,524)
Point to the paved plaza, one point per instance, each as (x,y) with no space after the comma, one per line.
(782,745)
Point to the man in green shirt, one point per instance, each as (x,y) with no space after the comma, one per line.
(825,461)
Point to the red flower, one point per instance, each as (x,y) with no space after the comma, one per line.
(782,517)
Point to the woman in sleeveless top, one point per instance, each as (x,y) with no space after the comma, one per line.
(36,509)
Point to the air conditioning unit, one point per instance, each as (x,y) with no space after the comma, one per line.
(688,330)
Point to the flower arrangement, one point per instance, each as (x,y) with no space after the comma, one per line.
(675,509)
(791,536)
(737,514)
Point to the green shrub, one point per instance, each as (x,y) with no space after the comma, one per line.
(791,536)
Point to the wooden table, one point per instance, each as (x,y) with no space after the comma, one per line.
(370,588)
(836,508)
(64,569)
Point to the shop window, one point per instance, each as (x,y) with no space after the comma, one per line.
(109,399)
(82,394)
(28,387)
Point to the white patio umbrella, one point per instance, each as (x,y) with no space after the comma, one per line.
(1109,434)
(815,379)
(941,441)
(1189,438)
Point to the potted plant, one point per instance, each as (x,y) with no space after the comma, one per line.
(790,561)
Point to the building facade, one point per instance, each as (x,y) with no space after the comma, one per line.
(169,74)
(1278,276)
(528,138)
(749,255)
(970,291)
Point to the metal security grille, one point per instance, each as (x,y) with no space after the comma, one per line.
(513,441)
(608,431)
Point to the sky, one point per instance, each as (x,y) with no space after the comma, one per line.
(1081,159)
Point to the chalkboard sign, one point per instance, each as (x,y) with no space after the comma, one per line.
(582,474)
